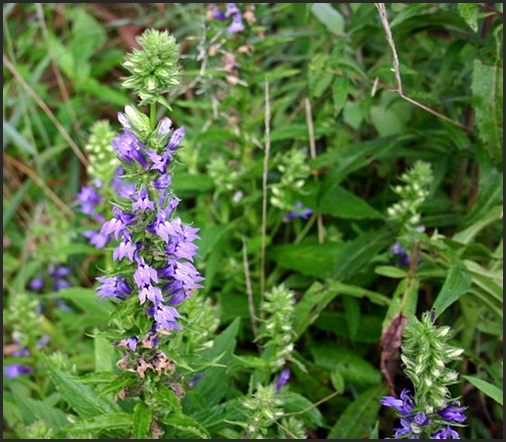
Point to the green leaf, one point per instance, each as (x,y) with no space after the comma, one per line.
(15,201)
(11,134)
(404,300)
(358,419)
(187,424)
(105,359)
(369,331)
(307,310)
(142,421)
(121,381)
(295,403)
(467,235)
(348,363)
(391,271)
(85,298)
(108,421)
(358,292)
(224,345)
(385,121)
(469,12)
(308,259)
(344,204)
(337,380)
(487,388)
(353,315)
(353,114)
(168,399)
(103,92)
(31,410)
(329,16)
(487,90)
(82,398)
(340,89)
(356,254)
(457,282)
(188,186)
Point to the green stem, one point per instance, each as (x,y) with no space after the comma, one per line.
(152,115)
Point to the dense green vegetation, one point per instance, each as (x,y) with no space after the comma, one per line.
(344,164)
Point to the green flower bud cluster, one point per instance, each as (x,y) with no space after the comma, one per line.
(25,320)
(278,309)
(202,322)
(224,176)
(103,161)
(265,409)
(292,428)
(416,189)
(294,172)
(426,355)
(39,430)
(154,69)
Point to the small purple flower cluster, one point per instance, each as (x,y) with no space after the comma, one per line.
(402,254)
(298,212)
(90,202)
(231,11)
(283,379)
(151,238)
(14,370)
(413,422)
(57,275)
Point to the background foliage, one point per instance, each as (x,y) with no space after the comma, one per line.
(303,105)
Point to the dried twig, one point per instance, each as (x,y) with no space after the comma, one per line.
(312,149)
(264,188)
(249,290)
(45,108)
(384,20)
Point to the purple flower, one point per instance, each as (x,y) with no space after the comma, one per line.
(194,380)
(153,293)
(125,248)
(58,271)
(163,227)
(36,283)
(163,182)
(176,138)
(14,370)
(165,318)
(118,223)
(130,149)
(164,127)
(283,379)
(405,429)
(144,274)
(24,352)
(452,413)
(131,343)
(299,212)
(218,15)
(61,284)
(143,202)
(231,10)
(113,287)
(62,306)
(404,405)
(97,239)
(445,433)
(397,249)
(237,25)
(88,198)
(420,419)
